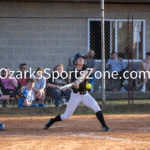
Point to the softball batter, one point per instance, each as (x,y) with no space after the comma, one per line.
(79,94)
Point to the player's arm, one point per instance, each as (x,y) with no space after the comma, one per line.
(80,79)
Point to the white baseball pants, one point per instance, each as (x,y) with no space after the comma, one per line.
(75,100)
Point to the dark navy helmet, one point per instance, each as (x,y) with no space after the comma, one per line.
(2,126)
(77,56)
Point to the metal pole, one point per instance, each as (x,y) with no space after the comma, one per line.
(103,50)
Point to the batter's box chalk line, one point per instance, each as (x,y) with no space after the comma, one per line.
(109,138)
(144,128)
(87,135)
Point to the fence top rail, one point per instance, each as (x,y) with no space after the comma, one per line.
(79,1)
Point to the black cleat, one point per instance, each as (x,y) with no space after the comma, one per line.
(48,124)
(105,128)
(52,121)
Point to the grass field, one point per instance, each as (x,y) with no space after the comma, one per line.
(125,102)
(130,131)
(112,102)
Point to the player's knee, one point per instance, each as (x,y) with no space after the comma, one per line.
(97,108)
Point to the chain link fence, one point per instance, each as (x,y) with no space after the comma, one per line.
(49,33)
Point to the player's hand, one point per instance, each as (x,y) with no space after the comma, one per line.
(64,89)
(76,85)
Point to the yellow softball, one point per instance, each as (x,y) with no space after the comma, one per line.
(88,86)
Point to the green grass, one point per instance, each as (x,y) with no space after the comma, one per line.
(125,102)
(112,102)
(111,107)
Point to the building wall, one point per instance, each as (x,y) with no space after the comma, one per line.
(39,41)
(26,35)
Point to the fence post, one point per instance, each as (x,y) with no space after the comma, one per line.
(103,51)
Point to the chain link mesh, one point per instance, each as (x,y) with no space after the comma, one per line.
(48,33)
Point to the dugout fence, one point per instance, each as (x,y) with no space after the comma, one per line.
(47,33)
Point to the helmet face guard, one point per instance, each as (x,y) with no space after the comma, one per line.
(77,56)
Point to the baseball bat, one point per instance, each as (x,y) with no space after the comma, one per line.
(69,85)
(66,86)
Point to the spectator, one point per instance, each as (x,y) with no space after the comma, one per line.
(39,87)
(145,66)
(114,64)
(25,75)
(53,87)
(8,85)
(27,91)
(91,64)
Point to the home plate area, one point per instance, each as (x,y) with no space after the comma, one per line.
(79,132)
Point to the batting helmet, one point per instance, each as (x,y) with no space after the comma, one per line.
(2,126)
(77,56)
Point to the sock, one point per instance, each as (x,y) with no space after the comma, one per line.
(57,118)
(53,120)
(100,117)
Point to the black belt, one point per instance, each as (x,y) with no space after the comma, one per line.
(82,93)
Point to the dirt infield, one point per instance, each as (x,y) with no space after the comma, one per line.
(77,133)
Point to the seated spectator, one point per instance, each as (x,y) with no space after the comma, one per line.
(145,66)
(8,85)
(132,84)
(39,87)
(23,81)
(53,87)
(114,64)
(27,91)
(91,64)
